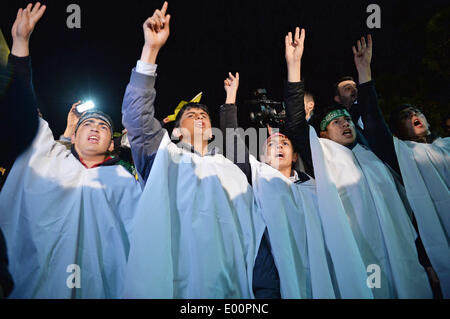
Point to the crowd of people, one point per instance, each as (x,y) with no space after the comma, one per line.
(338,204)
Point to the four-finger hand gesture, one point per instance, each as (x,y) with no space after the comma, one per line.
(294,47)
(231,84)
(363,56)
(26,20)
(157,28)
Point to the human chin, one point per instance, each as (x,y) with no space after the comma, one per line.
(420,131)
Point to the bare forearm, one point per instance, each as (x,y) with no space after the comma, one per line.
(294,72)
(231,98)
(20,48)
(69,131)
(149,54)
(364,75)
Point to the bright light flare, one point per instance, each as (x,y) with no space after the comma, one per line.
(85,106)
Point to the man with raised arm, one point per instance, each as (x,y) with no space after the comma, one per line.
(66,214)
(358,199)
(197,234)
(287,200)
(17,98)
(422,160)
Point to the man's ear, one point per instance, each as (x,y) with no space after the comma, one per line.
(210,134)
(294,158)
(73,139)
(324,134)
(176,132)
(337,99)
(111,146)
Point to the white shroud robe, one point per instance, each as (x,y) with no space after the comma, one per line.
(55,213)
(290,212)
(196,230)
(425,170)
(376,215)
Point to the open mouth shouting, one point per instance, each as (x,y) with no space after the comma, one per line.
(95,139)
(279,155)
(348,133)
(199,124)
(416,122)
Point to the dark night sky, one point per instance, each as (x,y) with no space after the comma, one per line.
(208,39)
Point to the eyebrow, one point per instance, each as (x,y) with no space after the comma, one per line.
(193,112)
(92,121)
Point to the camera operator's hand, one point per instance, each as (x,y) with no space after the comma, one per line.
(293,54)
(231,85)
(72,120)
(156,32)
(363,56)
(23,27)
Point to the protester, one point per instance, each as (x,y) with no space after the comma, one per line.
(16,98)
(408,123)
(196,231)
(287,200)
(66,214)
(309,105)
(358,198)
(422,159)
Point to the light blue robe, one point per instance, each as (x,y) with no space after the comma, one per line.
(290,212)
(375,213)
(55,213)
(426,173)
(196,229)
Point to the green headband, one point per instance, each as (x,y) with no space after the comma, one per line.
(331,116)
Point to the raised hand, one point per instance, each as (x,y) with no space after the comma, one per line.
(362,54)
(231,84)
(72,120)
(294,47)
(293,53)
(157,28)
(23,26)
(156,32)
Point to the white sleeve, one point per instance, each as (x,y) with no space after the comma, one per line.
(44,144)
(145,68)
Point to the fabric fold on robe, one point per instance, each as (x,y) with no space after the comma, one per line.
(426,173)
(290,212)
(57,215)
(196,229)
(365,191)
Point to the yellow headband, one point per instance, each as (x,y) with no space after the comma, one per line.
(172,117)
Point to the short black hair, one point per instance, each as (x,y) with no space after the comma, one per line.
(342,79)
(395,116)
(318,116)
(188,106)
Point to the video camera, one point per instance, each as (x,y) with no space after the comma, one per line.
(265,111)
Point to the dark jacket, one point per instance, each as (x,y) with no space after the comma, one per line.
(19,124)
(381,142)
(266,280)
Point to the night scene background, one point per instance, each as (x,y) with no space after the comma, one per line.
(410,60)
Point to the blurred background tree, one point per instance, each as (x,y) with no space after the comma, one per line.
(420,71)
